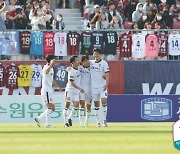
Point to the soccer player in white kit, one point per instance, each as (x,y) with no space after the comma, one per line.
(99,70)
(47,90)
(72,92)
(85,98)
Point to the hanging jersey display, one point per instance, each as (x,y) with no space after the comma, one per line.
(36,78)
(11,44)
(12,72)
(60,75)
(49,45)
(24,38)
(111,39)
(152,46)
(85,43)
(163,44)
(125,45)
(2,75)
(174,44)
(25,73)
(97,41)
(138,46)
(60,40)
(73,40)
(36,43)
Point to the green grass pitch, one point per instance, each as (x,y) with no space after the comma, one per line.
(118,138)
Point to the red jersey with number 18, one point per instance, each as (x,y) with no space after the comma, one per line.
(48,43)
(73,39)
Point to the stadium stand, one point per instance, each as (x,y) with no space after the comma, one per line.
(19,19)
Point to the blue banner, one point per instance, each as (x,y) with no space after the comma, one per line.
(152,77)
(143,108)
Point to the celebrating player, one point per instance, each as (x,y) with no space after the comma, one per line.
(99,85)
(86,85)
(47,91)
(72,91)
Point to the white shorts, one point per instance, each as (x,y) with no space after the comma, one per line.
(98,94)
(86,97)
(72,97)
(47,97)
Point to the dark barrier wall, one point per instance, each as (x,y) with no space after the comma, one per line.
(152,77)
(143,108)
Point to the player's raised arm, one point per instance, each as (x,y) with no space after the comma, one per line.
(51,64)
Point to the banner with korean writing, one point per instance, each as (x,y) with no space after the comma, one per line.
(23,109)
(143,108)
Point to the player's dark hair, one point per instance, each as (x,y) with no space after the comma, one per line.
(49,58)
(97,50)
(73,58)
(84,57)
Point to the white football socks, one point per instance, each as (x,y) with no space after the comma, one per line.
(42,115)
(74,110)
(48,116)
(65,114)
(97,114)
(81,116)
(87,116)
(104,109)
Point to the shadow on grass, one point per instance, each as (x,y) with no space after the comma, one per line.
(85,132)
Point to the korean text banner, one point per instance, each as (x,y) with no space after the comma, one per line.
(23,109)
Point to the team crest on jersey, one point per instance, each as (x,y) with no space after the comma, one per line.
(99,65)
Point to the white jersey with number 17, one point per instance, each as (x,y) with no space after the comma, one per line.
(98,70)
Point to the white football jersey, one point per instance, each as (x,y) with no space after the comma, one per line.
(174,44)
(85,78)
(60,40)
(47,79)
(138,46)
(37,75)
(97,71)
(74,75)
